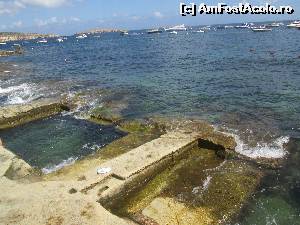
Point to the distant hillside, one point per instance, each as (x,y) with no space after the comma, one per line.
(15,36)
(99,30)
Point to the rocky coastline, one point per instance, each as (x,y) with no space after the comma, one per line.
(16,36)
(145,177)
(100,31)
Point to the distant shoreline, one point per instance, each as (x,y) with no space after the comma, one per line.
(16,36)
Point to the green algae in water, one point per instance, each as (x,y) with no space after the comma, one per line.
(50,143)
(272,210)
(176,181)
(199,188)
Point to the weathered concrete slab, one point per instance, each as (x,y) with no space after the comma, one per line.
(148,154)
(50,203)
(13,115)
(11,166)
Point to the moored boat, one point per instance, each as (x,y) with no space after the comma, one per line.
(154,31)
(260,29)
(294,24)
(272,25)
(82,36)
(123,33)
(176,28)
(42,41)
(244,26)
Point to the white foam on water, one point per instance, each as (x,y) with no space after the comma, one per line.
(93,147)
(51,169)
(20,94)
(206,183)
(13,88)
(204,187)
(274,150)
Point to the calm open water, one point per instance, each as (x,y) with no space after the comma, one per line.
(247,82)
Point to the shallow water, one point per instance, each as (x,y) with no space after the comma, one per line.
(183,181)
(278,199)
(52,143)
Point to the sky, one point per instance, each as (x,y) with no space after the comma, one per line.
(70,16)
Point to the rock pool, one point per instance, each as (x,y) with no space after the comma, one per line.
(54,142)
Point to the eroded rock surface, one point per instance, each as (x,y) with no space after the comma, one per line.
(13,115)
(152,153)
(12,166)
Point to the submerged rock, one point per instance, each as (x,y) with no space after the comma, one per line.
(17,51)
(169,211)
(199,189)
(108,112)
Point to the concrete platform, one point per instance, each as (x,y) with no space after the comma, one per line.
(78,201)
(140,158)
(13,115)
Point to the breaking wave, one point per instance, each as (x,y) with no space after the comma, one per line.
(67,162)
(20,94)
(273,150)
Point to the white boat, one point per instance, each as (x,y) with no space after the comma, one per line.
(244,26)
(173,32)
(123,33)
(42,41)
(206,28)
(273,25)
(229,27)
(176,28)
(2,43)
(294,24)
(60,40)
(154,31)
(200,31)
(82,36)
(260,29)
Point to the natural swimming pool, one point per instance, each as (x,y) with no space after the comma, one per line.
(54,142)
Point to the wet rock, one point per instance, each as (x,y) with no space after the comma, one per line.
(223,144)
(17,51)
(219,202)
(14,115)
(169,211)
(138,126)
(109,112)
